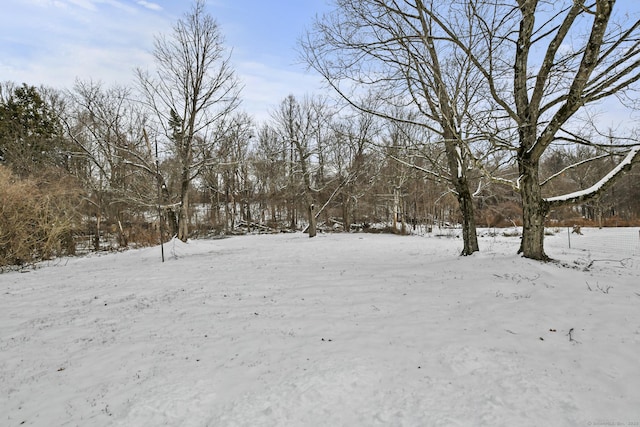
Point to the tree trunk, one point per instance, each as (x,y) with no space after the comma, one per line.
(311,209)
(274,217)
(123,242)
(292,215)
(168,210)
(312,219)
(469,235)
(183,219)
(396,208)
(183,214)
(534,211)
(346,217)
(458,171)
(403,224)
(96,238)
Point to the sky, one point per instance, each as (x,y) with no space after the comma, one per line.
(55,42)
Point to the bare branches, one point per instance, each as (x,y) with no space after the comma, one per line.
(401,52)
(194,90)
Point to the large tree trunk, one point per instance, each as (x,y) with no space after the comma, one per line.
(458,172)
(534,211)
(469,235)
(173,221)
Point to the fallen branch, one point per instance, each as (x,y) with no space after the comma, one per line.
(571,339)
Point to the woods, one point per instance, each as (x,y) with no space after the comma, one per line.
(470,114)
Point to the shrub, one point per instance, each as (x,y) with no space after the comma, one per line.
(37,217)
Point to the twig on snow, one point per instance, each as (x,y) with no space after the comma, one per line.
(571,339)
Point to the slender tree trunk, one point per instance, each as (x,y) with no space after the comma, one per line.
(396,208)
(274,216)
(292,214)
(312,218)
(309,200)
(122,237)
(403,224)
(96,239)
(346,217)
(183,213)
(168,211)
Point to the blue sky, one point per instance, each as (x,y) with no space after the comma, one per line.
(53,42)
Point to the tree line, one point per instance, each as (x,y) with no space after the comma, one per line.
(477,113)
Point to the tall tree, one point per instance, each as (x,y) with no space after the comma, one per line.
(354,135)
(193,89)
(227,179)
(269,162)
(546,66)
(529,73)
(297,125)
(106,127)
(399,52)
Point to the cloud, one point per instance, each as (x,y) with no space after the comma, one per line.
(84,4)
(266,86)
(53,42)
(72,61)
(149,5)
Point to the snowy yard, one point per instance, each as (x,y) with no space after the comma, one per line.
(340,330)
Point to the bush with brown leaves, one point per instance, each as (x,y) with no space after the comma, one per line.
(37,217)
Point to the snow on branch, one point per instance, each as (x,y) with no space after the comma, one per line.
(414,166)
(491,177)
(573,166)
(601,185)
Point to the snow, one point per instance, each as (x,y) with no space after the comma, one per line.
(339,330)
(626,162)
(459,160)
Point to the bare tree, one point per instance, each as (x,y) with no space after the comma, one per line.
(106,127)
(194,88)
(227,179)
(546,65)
(296,123)
(399,52)
(269,162)
(354,135)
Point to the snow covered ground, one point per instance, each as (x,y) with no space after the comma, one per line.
(340,330)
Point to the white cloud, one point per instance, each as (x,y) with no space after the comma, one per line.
(75,61)
(150,5)
(84,4)
(53,42)
(266,86)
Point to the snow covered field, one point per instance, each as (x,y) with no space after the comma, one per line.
(340,330)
